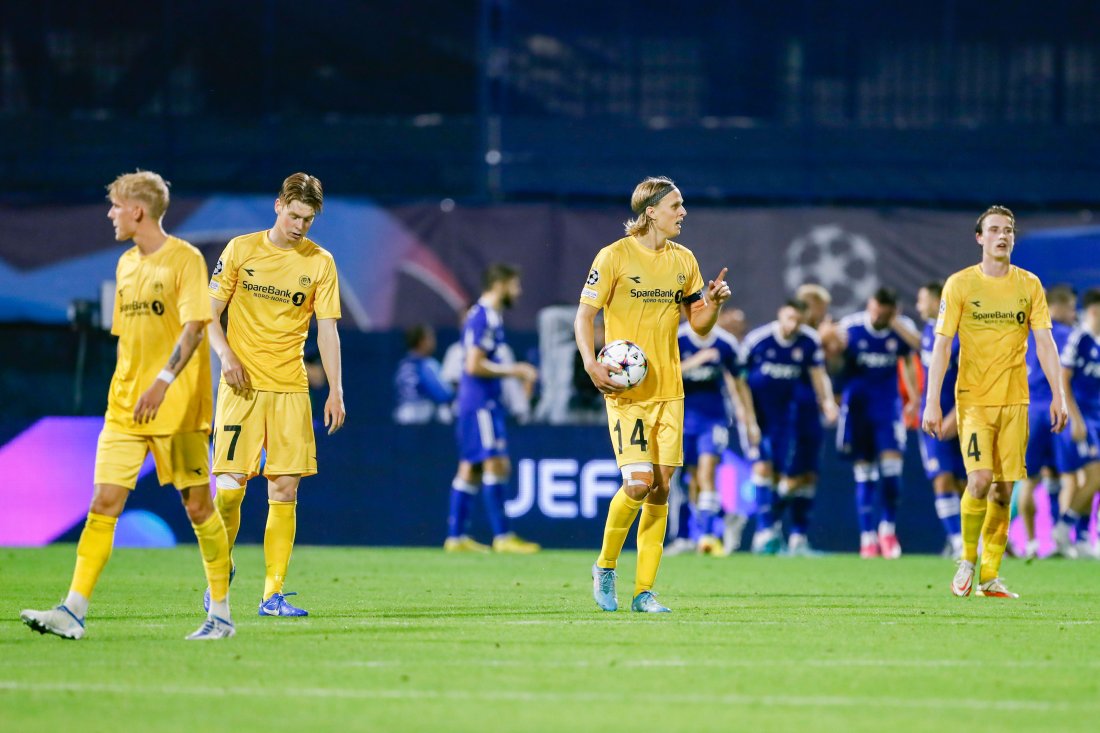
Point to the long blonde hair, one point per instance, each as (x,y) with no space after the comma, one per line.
(647,193)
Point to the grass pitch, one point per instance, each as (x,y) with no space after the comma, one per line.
(415,640)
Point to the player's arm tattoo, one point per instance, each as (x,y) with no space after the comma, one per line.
(174,359)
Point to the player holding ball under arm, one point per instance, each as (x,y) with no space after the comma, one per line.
(640,282)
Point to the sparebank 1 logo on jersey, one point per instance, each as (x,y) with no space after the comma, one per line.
(273,292)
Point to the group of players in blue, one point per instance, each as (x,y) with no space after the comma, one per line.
(776,382)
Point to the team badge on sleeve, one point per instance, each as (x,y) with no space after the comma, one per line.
(593,277)
(218,269)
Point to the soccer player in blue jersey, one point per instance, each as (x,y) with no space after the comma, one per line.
(482,442)
(1080,445)
(776,356)
(942,456)
(798,477)
(871,432)
(422,395)
(1042,445)
(708,364)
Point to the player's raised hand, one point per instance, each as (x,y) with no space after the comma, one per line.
(234,372)
(932,422)
(718,290)
(334,412)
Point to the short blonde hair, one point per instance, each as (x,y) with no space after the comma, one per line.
(145,187)
(810,291)
(647,193)
(305,188)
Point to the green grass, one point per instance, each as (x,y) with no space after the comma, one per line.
(410,640)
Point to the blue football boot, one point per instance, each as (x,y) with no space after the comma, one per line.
(277,605)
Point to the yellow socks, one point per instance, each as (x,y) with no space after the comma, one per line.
(972,515)
(228,504)
(278,543)
(994,539)
(620,515)
(214,548)
(651,545)
(92,553)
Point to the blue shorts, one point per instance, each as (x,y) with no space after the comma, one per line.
(776,433)
(706,436)
(805,454)
(1070,456)
(861,436)
(481,433)
(1041,452)
(941,456)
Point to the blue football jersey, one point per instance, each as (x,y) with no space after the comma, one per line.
(950,376)
(484,328)
(1082,354)
(704,385)
(1038,389)
(871,364)
(776,367)
(419,389)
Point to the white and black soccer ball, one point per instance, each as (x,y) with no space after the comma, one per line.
(843,262)
(627,356)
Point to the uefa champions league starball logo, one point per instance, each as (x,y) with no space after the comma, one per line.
(841,261)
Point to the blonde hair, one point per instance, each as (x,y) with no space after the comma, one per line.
(647,193)
(995,209)
(305,188)
(145,187)
(810,291)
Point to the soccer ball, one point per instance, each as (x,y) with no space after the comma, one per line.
(628,356)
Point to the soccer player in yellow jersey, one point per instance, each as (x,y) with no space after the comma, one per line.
(273,283)
(159,402)
(640,282)
(992,306)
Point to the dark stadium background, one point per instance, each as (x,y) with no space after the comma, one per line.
(452,134)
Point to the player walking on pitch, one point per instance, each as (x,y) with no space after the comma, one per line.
(159,402)
(273,283)
(640,282)
(992,306)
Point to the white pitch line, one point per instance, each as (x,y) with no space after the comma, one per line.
(527,696)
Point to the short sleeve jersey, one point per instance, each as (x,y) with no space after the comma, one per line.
(483,329)
(871,364)
(993,316)
(1082,354)
(272,294)
(155,295)
(947,392)
(640,291)
(705,385)
(775,365)
(1038,387)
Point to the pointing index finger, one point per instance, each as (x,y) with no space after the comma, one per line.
(721,275)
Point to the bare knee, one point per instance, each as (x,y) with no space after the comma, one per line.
(108,500)
(283,488)
(978,483)
(196,501)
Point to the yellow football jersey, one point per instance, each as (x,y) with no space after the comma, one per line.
(272,295)
(640,291)
(155,296)
(992,316)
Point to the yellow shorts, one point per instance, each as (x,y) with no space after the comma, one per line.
(994,439)
(647,432)
(182,460)
(280,422)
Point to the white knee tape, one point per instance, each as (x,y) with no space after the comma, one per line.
(630,469)
(891,466)
(865,472)
(465,487)
(228,481)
